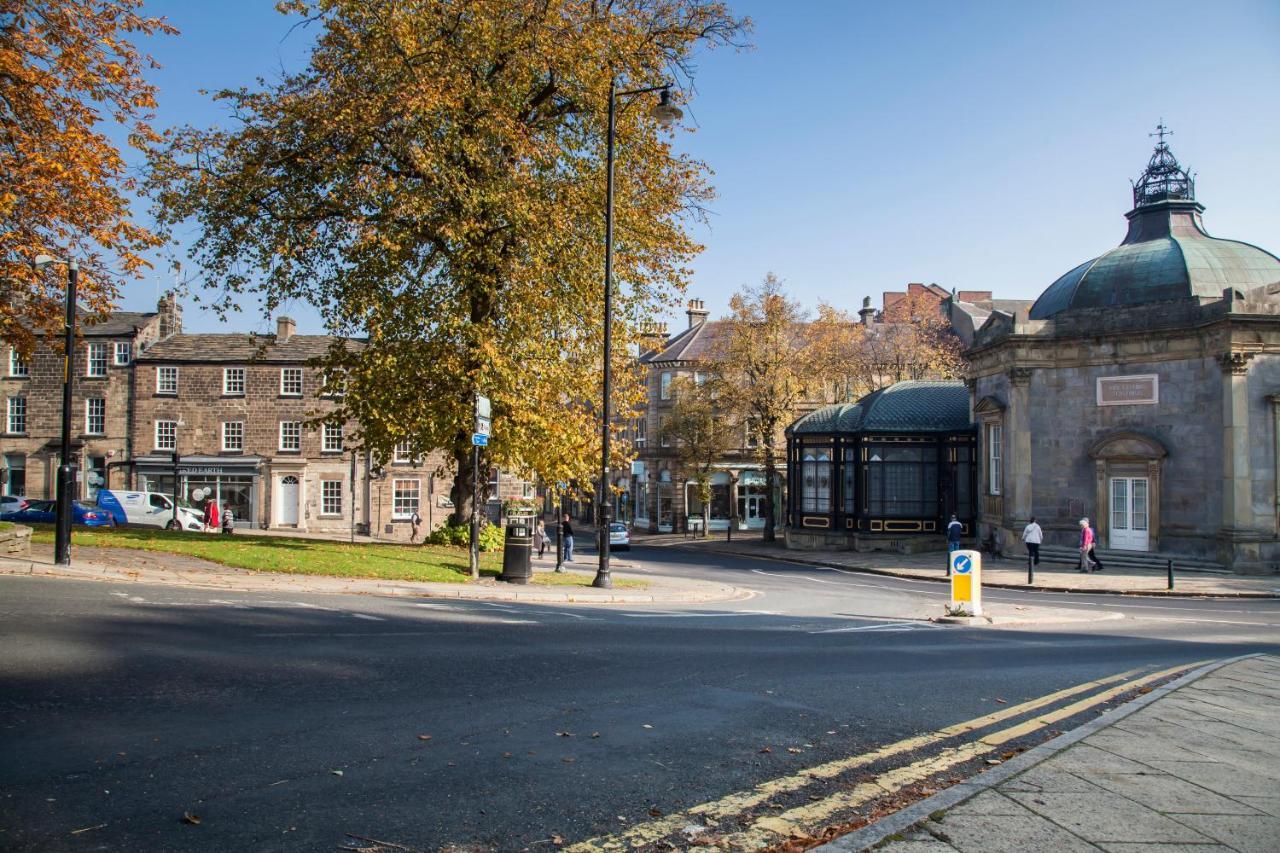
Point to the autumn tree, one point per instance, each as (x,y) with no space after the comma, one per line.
(434,180)
(699,435)
(764,372)
(69,73)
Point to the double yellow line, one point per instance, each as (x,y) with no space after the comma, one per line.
(812,818)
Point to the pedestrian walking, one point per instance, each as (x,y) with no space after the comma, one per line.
(954,530)
(566,536)
(228,520)
(540,537)
(1093,553)
(415,524)
(1032,535)
(1086,545)
(211,515)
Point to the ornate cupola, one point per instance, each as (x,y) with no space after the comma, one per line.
(1163,179)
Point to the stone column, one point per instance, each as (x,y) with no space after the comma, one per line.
(1237,509)
(1274,399)
(1017,463)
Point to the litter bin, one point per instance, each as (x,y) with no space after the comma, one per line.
(517,551)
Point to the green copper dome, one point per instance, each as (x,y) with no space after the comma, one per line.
(1167,254)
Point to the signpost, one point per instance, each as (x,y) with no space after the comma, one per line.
(966,582)
(479,438)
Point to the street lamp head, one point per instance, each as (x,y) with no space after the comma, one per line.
(666,112)
(42,261)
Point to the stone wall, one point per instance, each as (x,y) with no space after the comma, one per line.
(15,540)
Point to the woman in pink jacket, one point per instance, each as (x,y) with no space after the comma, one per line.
(1086,545)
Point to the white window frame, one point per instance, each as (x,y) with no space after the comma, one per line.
(166,435)
(101,415)
(642,429)
(123,348)
(95,356)
(328,433)
(229,383)
(16,415)
(664,385)
(331,503)
(402,454)
(166,376)
(404,506)
(995,454)
(17,367)
(233,435)
(287,377)
(293,430)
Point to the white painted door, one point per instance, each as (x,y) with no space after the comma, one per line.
(1129,513)
(288,512)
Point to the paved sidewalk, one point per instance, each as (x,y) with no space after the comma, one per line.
(1194,766)
(1011,573)
(128,565)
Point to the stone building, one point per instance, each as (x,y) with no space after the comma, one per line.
(103,397)
(1142,390)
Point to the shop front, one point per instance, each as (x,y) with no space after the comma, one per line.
(232,483)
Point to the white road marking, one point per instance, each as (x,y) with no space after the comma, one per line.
(670,615)
(367,616)
(1211,621)
(887,627)
(518,622)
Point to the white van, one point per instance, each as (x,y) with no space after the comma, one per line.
(149,509)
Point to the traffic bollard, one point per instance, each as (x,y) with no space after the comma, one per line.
(1031,571)
(1169,569)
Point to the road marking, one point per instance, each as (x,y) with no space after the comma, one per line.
(1207,621)
(354,634)
(886,627)
(671,615)
(735,804)
(367,616)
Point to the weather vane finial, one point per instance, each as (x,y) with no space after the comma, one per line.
(1161,131)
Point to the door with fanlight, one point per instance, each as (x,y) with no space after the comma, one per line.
(288,501)
(1130,513)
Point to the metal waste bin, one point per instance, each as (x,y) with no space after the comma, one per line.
(517,551)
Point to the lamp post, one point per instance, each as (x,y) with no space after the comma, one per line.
(66,470)
(666,113)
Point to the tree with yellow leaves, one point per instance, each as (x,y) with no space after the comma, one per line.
(699,435)
(67,68)
(434,181)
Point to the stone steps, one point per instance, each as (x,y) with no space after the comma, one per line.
(1155,561)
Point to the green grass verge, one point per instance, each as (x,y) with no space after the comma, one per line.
(292,555)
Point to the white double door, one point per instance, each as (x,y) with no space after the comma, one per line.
(1129,513)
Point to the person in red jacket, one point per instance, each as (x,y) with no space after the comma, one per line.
(1086,545)
(211,515)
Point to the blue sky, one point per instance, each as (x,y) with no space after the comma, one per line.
(861,146)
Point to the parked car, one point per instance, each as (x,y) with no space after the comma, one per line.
(619,537)
(46,512)
(12,503)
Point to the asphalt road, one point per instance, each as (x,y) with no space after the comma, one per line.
(307,722)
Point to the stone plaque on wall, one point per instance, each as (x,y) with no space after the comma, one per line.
(1129,390)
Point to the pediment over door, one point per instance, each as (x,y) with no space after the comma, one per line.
(1127,445)
(988,404)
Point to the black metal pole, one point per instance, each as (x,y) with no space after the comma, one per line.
(603,579)
(353,495)
(1031,570)
(560,536)
(1169,570)
(66,470)
(176,459)
(475,514)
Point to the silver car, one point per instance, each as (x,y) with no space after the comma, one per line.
(619,537)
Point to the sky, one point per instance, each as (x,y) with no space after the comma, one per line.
(859,146)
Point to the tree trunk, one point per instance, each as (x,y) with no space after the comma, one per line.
(461,494)
(770,479)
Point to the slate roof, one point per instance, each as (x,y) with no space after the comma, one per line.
(692,344)
(240,348)
(917,406)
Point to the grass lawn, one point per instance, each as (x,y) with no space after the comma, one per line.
(293,555)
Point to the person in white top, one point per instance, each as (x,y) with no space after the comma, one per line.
(1033,536)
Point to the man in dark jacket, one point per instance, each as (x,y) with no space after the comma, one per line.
(566,537)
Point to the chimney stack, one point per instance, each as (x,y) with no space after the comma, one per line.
(285,329)
(652,335)
(867,313)
(697,312)
(170,315)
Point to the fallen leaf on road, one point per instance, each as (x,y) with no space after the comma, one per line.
(595,734)
(655,812)
(336,772)
(767,749)
(794,749)
(565,734)
(831,732)
(506,755)
(193,819)
(1002,701)
(557,840)
(994,761)
(424,737)
(568,760)
(646,726)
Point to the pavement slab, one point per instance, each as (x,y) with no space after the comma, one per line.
(1159,776)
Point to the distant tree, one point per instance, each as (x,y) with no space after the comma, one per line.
(764,372)
(66,68)
(435,180)
(699,435)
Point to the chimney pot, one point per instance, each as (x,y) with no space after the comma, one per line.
(285,329)
(697,312)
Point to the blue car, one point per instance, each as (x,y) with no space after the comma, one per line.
(45,512)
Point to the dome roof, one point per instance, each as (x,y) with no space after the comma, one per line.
(916,406)
(1167,254)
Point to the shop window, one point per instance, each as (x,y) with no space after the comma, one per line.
(404,500)
(95,416)
(902,482)
(96,362)
(95,478)
(331,497)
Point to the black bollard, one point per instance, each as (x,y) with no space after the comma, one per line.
(1031,571)
(1169,569)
